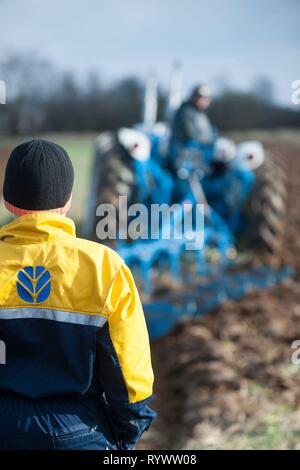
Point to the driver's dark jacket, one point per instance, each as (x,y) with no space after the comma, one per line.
(189,123)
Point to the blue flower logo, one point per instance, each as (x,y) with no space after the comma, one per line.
(34,284)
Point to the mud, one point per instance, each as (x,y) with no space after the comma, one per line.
(220,376)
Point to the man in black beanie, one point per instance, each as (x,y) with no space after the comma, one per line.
(77,371)
(39,177)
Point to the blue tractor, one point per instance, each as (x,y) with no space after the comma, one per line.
(238,193)
(241,183)
(233,197)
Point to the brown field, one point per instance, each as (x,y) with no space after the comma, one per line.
(226,380)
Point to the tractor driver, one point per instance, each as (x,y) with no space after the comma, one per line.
(190,121)
(190,126)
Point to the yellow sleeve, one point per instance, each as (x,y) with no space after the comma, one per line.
(129,335)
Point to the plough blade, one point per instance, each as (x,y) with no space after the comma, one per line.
(163,315)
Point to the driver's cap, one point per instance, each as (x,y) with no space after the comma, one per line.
(201,90)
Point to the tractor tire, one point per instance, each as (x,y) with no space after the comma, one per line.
(113,176)
(264,213)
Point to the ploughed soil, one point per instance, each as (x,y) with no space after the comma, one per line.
(227,380)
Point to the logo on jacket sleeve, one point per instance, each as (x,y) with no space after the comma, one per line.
(34,284)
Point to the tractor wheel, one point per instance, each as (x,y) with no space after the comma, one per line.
(264,213)
(113,176)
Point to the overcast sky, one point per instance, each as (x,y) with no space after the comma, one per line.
(234,40)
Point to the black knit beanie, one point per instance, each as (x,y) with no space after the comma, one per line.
(39,176)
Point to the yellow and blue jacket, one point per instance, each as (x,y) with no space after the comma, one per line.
(73,326)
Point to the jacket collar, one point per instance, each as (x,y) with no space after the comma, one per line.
(37,228)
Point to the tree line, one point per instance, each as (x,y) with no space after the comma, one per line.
(41,98)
